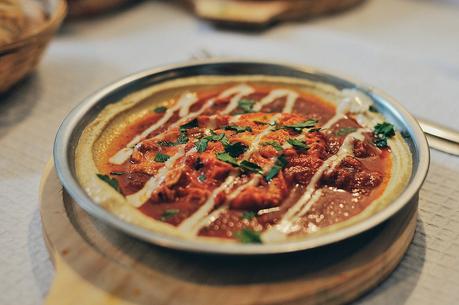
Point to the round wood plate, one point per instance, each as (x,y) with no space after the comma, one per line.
(96,264)
(263,12)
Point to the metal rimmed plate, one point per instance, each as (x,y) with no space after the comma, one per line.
(74,124)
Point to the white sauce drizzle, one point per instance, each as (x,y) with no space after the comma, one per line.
(190,225)
(239,92)
(183,105)
(280,230)
(276,94)
(184,101)
(354,102)
(140,197)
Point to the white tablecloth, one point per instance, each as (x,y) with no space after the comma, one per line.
(409,48)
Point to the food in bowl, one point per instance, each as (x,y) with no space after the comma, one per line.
(249,159)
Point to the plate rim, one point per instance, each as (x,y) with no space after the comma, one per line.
(63,170)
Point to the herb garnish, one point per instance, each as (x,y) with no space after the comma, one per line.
(297,144)
(117,173)
(248,215)
(160,109)
(161,157)
(110,181)
(166,143)
(238,129)
(191,124)
(202,177)
(182,138)
(214,137)
(226,157)
(235,149)
(345,131)
(250,167)
(248,236)
(201,144)
(298,127)
(280,163)
(382,132)
(277,146)
(168,214)
(373,109)
(246,105)
(243,165)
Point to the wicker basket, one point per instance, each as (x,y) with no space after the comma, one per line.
(82,8)
(19,58)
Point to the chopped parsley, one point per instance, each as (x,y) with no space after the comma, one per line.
(248,215)
(238,129)
(382,132)
(191,124)
(277,146)
(373,109)
(117,173)
(345,131)
(250,167)
(182,138)
(160,109)
(248,236)
(246,105)
(298,127)
(110,181)
(166,143)
(168,214)
(297,144)
(202,177)
(161,157)
(201,144)
(235,149)
(214,137)
(280,163)
(226,157)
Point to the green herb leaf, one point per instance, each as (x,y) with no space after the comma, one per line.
(191,124)
(238,129)
(161,157)
(297,144)
(345,131)
(226,157)
(117,173)
(298,127)
(248,236)
(280,163)
(110,181)
(202,177)
(160,109)
(236,149)
(246,105)
(182,138)
(382,132)
(201,145)
(168,214)
(214,137)
(373,109)
(314,129)
(250,167)
(248,215)
(277,146)
(166,143)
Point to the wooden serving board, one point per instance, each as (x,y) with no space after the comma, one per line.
(96,264)
(263,12)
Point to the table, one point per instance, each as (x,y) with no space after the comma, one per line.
(409,48)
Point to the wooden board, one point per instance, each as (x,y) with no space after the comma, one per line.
(96,264)
(263,12)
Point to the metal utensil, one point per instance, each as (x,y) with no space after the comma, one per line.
(440,137)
